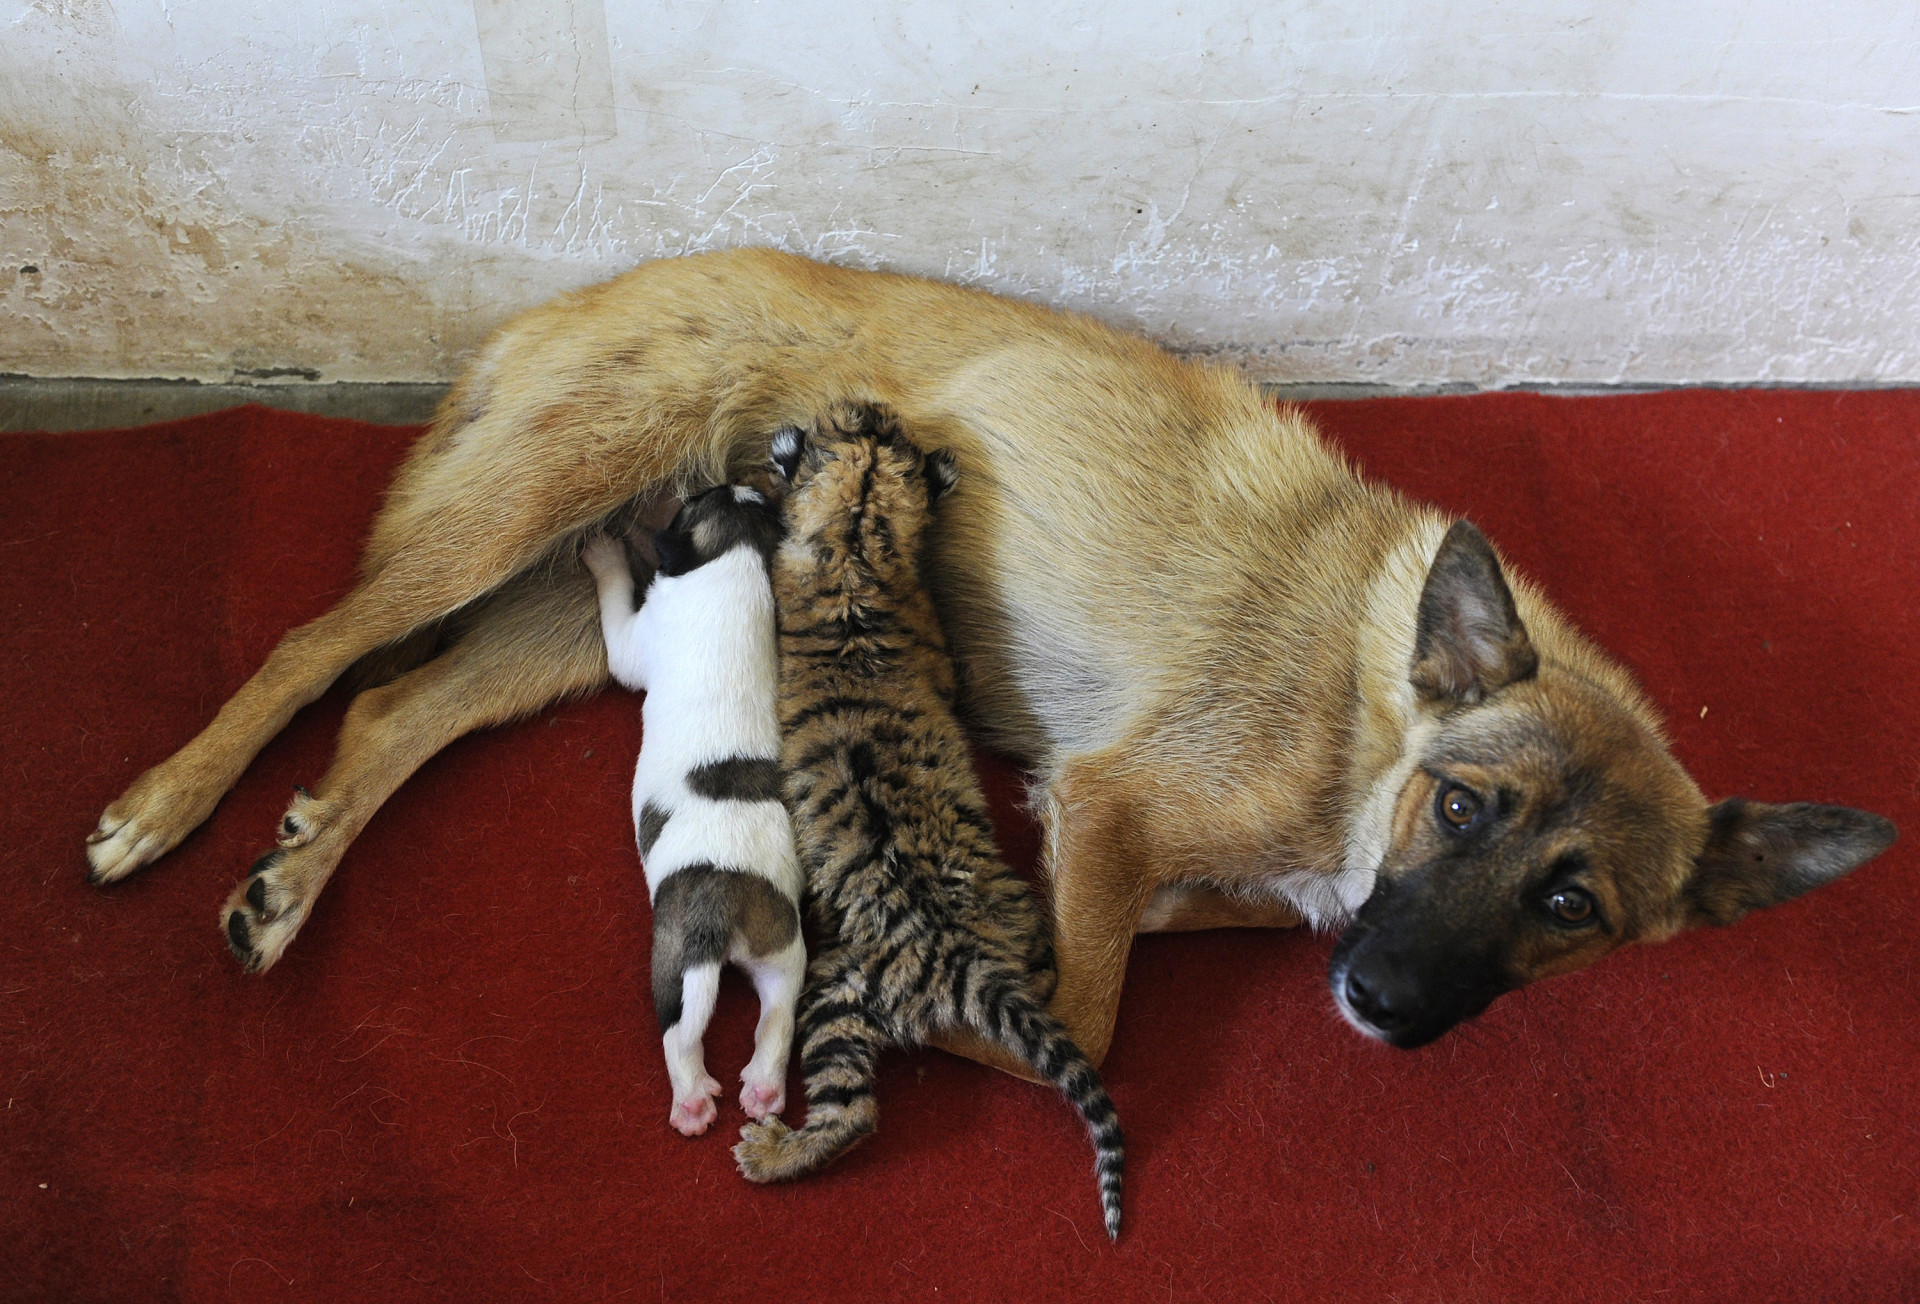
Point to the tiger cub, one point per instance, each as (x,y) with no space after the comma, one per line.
(713,834)
(921,927)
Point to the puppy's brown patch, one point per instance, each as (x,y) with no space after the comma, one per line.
(700,914)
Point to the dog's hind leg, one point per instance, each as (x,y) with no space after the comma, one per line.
(536,640)
(450,533)
(170,800)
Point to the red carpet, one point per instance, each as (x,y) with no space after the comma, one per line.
(452,1087)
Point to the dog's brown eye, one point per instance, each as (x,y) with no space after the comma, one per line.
(1571,905)
(1458,807)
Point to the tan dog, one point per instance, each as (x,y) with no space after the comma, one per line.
(1254,688)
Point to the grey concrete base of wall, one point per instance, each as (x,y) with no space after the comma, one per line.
(29,403)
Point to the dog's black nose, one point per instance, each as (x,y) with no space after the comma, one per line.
(1378,1004)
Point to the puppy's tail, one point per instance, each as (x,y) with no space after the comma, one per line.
(1012,1016)
(839,1042)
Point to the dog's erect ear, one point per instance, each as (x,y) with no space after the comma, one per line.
(1469,641)
(1759,855)
(788,444)
(942,474)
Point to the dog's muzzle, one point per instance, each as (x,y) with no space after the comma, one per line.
(1399,978)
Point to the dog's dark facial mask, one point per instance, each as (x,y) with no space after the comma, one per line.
(1543,825)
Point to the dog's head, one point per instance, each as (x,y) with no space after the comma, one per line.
(712,524)
(1544,823)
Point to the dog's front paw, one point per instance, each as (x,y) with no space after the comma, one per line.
(120,844)
(148,821)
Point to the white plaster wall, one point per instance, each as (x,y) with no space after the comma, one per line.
(1486,191)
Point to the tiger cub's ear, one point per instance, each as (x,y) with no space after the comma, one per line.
(942,474)
(788,443)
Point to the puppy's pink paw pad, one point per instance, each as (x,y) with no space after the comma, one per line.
(692,1116)
(763,1099)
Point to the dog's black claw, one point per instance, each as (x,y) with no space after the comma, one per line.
(256,897)
(264,864)
(288,827)
(96,879)
(239,939)
(299,791)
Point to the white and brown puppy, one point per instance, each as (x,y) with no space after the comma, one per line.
(715,839)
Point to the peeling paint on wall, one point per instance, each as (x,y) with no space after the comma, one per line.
(1401,194)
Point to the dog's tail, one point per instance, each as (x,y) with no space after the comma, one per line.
(839,1041)
(1012,1016)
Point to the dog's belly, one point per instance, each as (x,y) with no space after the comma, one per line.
(1050,562)
(1041,689)
(1037,618)
(1120,514)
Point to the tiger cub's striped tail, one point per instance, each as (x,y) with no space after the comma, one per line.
(841,1039)
(1017,1021)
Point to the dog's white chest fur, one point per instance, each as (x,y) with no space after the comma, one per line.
(1325,901)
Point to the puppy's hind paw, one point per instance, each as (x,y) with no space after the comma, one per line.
(762,1099)
(695,1113)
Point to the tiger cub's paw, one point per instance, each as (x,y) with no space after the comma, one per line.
(759,1148)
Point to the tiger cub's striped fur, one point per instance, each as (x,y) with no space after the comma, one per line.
(922,928)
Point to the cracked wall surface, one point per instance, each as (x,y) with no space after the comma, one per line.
(1405,193)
